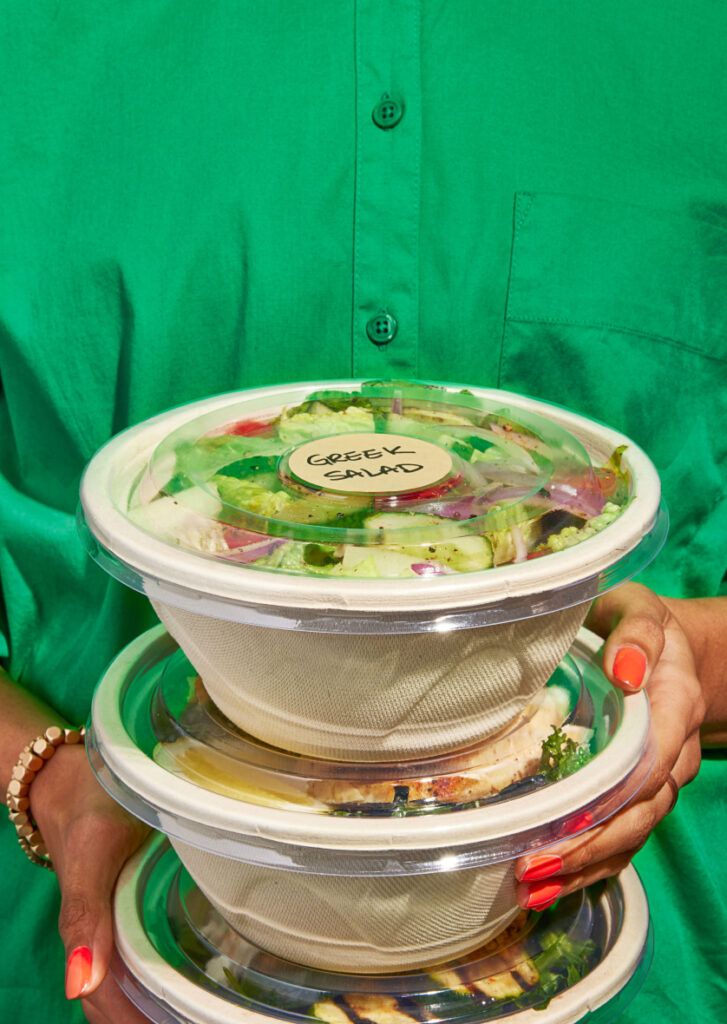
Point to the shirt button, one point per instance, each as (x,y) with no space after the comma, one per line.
(387,112)
(381,329)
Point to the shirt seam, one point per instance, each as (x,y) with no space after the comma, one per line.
(516,220)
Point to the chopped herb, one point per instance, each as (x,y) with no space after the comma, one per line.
(561,963)
(561,756)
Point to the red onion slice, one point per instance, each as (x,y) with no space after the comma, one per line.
(429,569)
(254,551)
(586,501)
(235,538)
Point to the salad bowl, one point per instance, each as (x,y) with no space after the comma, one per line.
(180,963)
(372,571)
(362,867)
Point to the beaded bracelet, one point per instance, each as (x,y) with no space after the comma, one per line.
(33,759)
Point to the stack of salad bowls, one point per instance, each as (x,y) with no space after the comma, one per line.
(372,710)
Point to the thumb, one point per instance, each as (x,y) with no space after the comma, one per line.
(631,619)
(96,849)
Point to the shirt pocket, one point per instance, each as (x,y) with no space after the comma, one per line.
(620,311)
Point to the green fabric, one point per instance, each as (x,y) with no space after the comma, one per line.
(194,197)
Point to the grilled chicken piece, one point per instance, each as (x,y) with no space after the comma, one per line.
(508,758)
(527,970)
(499,986)
(513,973)
(513,968)
(330,1012)
(379,1009)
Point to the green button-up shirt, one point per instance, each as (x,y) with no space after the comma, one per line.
(196,197)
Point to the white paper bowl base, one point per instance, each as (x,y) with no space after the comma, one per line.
(373,698)
(358,924)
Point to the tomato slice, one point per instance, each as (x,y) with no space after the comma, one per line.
(236,538)
(436,491)
(604,479)
(249,428)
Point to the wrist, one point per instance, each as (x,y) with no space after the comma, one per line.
(51,793)
(704,623)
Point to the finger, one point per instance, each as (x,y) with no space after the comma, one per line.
(688,762)
(540,895)
(632,619)
(626,832)
(109,1005)
(96,848)
(623,834)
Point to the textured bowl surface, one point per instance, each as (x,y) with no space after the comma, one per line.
(372,698)
(356,925)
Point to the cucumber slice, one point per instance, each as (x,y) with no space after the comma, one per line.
(465,554)
(400,521)
(468,553)
(375,563)
(317,510)
(261,468)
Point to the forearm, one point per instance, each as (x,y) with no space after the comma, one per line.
(704,620)
(22,717)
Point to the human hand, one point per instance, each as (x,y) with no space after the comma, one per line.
(645,647)
(89,838)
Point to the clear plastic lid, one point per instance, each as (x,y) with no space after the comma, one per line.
(178,961)
(575,757)
(323,507)
(554,736)
(383,480)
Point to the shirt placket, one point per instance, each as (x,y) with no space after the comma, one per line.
(385,320)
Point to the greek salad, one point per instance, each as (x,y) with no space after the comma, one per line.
(516,487)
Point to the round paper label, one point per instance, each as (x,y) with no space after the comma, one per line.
(370,463)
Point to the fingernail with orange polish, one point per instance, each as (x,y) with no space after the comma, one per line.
(542,867)
(78,972)
(542,894)
(629,666)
